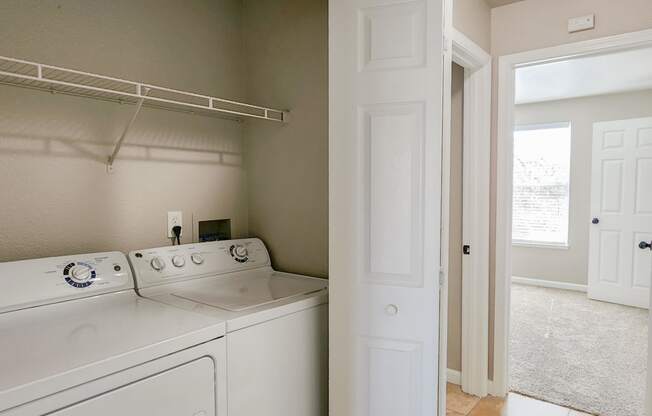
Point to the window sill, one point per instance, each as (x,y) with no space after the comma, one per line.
(541,245)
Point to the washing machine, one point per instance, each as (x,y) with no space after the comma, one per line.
(276,323)
(76,339)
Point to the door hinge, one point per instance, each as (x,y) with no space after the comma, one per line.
(442,278)
(445,46)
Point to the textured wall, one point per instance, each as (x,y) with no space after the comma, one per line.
(473,18)
(56,195)
(287,66)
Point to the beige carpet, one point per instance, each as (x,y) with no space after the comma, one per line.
(576,352)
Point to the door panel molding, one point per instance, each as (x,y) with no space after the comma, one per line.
(386,60)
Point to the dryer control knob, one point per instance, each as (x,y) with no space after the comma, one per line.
(80,273)
(240,251)
(196,258)
(158,264)
(178,261)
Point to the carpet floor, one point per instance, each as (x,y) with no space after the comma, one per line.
(576,352)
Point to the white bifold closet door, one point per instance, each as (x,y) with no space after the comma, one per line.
(386,71)
(621,209)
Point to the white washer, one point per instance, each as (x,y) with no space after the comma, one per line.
(277,330)
(76,339)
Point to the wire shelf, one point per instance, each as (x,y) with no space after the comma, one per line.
(84,84)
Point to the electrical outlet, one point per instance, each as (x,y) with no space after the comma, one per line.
(580,23)
(174,218)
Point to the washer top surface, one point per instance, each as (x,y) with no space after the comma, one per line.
(228,280)
(244,291)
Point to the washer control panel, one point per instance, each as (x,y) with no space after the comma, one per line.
(29,283)
(175,263)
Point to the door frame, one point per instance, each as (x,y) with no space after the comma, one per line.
(507,64)
(475,218)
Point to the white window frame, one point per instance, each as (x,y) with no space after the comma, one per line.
(545,244)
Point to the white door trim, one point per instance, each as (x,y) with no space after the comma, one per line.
(445,191)
(506,67)
(475,270)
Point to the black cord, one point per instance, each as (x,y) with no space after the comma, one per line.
(177,233)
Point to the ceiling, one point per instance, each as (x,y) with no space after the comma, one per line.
(498,3)
(586,76)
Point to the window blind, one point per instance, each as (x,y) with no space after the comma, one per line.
(541,185)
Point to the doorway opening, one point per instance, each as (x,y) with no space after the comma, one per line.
(574,205)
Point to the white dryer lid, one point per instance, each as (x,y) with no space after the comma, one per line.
(247,290)
(49,348)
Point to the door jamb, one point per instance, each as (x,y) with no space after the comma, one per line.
(507,65)
(476,172)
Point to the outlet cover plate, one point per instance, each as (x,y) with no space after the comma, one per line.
(577,24)
(174,218)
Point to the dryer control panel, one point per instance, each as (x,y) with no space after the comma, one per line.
(161,265)
(29,283)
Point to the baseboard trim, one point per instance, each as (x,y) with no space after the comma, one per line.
(454,376)
(549,283)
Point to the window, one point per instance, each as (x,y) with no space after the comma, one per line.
(541,184)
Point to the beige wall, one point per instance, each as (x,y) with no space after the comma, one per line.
(571,265)
(455,222)
(287,66)
(533,24)
(56,195)
(473,19)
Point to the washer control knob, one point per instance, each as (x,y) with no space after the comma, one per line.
(80,273)
(178,261)
(196,258)
(158,264)
(391,309)
(240,251)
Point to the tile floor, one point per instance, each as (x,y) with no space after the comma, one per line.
(459,403)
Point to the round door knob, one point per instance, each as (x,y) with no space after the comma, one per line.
(644,244)
(80,273)
(391,309)
(196,258)
(241,251)
(595,220)
(178,261)
(158,263)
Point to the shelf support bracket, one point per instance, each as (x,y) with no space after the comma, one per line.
(118,144)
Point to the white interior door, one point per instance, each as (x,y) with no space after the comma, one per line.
(621,209)
(386,70)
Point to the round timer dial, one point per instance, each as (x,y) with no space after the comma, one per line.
(239,253)
(79,274)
